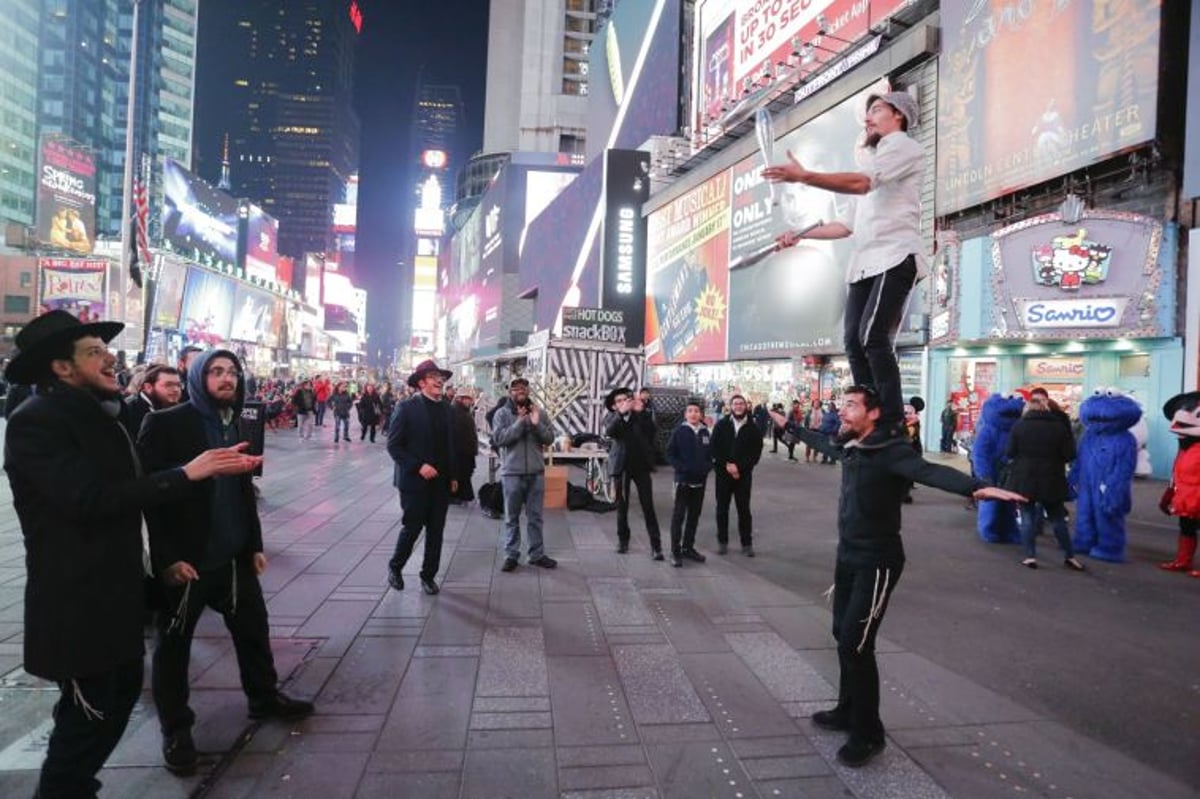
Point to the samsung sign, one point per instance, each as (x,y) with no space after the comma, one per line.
(623,259)
(1092,312)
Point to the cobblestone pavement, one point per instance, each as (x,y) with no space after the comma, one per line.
(612,677)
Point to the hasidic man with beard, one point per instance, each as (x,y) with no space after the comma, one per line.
(79,489)
(207,550)
(877,470)
(736,449)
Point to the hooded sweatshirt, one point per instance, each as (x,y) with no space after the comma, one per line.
(230,530)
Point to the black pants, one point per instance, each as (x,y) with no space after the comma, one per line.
(646,498)
(860,598)
(367,428)
(739,491)
(422,510)
(320,413)
(685,516)
(245,614)
(464,475)
(874,310)
(83,739)
(947,442)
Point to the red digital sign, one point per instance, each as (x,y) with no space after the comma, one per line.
(356,17)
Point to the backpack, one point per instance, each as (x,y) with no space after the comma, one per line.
(491,499)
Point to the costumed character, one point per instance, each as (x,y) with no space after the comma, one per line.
(997,521)
(1141,434)
(1103,474)
(1182,497)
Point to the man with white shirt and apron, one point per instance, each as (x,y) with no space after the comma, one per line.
(888,255)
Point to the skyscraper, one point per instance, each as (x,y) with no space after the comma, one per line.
(278,78)
(537,75)
(18,109)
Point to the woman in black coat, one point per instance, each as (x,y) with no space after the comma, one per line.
(1039,448)
(369,411)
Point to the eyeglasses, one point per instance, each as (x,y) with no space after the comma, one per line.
(221,371)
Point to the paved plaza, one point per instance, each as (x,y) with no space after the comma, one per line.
(617,677)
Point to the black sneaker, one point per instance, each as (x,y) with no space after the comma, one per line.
(748,551)
(692,554)
(856,754)
(179,753)
(834,720)
(545,561)
(395,580)
(281,706)
(656,555)
(429,586)
(1029,563)
(722,548)
(622,547)
(509,565)
(1073,564)
(676,560)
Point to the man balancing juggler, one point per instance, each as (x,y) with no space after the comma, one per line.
(877,469)
(888,255)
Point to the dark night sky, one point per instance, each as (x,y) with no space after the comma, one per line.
(448,40)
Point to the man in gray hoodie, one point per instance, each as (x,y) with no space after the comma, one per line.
(519,431)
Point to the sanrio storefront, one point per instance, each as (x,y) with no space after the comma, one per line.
(1071,305)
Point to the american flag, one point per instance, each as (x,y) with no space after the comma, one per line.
(141,241)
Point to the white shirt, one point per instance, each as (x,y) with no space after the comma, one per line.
(887,219)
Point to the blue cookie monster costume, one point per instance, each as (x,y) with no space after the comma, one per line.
(997,521)
(1103,474)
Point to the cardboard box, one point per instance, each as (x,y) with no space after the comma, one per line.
(556,487)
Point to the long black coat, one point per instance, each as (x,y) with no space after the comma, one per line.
(410,443)
(743,447)
(181,532)
(79,500)
(1039,448)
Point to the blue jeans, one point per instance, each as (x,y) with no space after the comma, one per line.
(528,491)
(1028,518)
(341,427)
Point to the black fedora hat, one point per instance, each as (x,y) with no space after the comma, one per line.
(612,396)
(38,338)
(1187,401)
(424,368)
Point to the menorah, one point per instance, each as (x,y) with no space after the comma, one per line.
(554,394)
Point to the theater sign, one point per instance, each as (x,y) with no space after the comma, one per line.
(1098,276)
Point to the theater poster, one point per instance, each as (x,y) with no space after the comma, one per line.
(688,276)
(1095,91)
(74,285)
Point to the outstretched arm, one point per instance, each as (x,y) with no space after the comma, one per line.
(795,172)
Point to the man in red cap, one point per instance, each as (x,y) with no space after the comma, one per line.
(421,442)
(888,255)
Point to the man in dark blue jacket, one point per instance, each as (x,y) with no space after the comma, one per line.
(690,452)
(877,470)
(421,442)
(207,549)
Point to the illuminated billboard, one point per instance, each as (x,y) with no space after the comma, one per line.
(66,196)
(198,221)
(74,285)
(168,296)
(340,304)
(738,41)
(434,159)
(207,307)
(253,317)
(1095,93)
(259,243)
(631,98)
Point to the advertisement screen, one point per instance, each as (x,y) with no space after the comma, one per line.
(1096,92)
(340,303)
(314,267)
(735,39)
(260,253)
(66,197)
(541,188)
(687,287)
(791,303)
(207,307)
(198,221)
(168,298)
(650,96)
(75,286)
(253,316)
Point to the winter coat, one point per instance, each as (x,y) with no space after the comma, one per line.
(743,448)
(632,442)
(519,442)
(341,402)
(1039,448)
(830,423)
(369,409)
(690,452)
(304,400)
(466,440)
(78,495)
(411,443)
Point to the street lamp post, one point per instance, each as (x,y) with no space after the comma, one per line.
(127,180)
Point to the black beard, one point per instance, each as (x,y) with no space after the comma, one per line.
(846,437)
(739,416)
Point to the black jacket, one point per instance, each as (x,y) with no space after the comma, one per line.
(743,448)
(410,443)
(632,442)
(466,440)
(181,530)
(876,474)
(1039,448)
(78,497)
(137,408)
(369,409)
